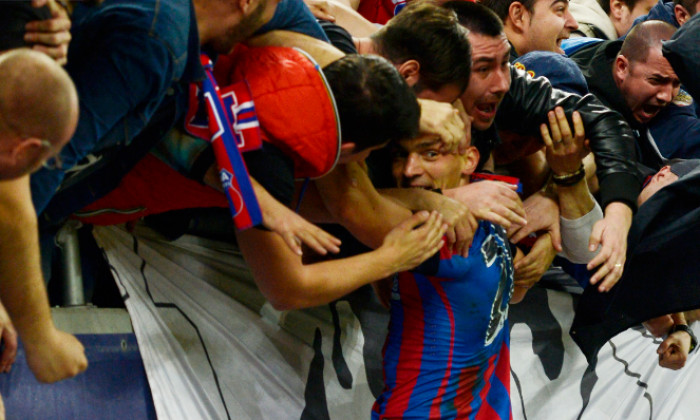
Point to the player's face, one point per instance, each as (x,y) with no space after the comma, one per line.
(550,23)
(420,163)
(647,86)
(490,78)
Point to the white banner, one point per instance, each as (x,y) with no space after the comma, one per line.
(214,349)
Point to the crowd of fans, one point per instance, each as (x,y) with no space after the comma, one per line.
(421,134)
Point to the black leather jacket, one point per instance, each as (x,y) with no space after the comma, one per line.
(525,107)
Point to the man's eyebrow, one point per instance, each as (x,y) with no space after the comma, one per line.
(558,1)
(484,60)
(427,143)
(664,78)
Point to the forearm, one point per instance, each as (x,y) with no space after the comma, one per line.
(353,4)
(322,52)
(692,316)
(288,284)
(21,284)
(620,211)
(611,139)
(271,209)
(574,201)
(679,318)
(575,234)
(413,198)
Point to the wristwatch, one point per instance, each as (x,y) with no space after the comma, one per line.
(683,327)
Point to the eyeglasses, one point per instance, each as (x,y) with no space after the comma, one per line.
(53,162)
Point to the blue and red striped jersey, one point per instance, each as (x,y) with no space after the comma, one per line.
(447,352)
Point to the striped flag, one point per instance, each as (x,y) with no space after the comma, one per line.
(229,123)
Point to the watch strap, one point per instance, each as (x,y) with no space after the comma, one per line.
(684,327)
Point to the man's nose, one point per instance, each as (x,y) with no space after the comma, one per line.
(413,166)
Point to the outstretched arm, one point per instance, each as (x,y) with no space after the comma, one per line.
(289,284)
(611,139)
(323,52)
(566,151)
(51,354)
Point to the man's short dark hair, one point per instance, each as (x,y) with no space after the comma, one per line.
(501,7)
(374,102)
(431,35)
(688,5)
(645,36)
(476,17)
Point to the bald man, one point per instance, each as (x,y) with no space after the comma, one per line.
(38,115)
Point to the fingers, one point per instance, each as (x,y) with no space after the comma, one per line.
(520,233)
(463,248)
(496,218)
(555,232)
(546,138)
(609,272)
(594,242)
(319,240)
(528,269)
(312,236)
(451,235)
(313,243)
(563,125)
(445,121)
(321,13)
(292,242)
(415,220)
(326,240)
(504,216)
(611,279)
(57,24)
(57,53)
(579,131)
(671,357)
(452,134)
(51,36)
(610,259)
(431,228)
(434,229)
(53,39)
(554,127)
(465,234)
(505,208)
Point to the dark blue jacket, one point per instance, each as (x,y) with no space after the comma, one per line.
(128,59)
